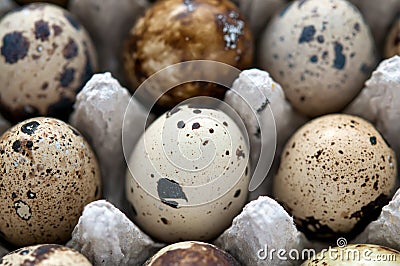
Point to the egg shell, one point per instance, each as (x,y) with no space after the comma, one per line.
(392,45)
(174,31)
(320,51)
(48,174)
(46,57)
(45,255)
(336,174)
(358,254)
(188,175)
(192,253)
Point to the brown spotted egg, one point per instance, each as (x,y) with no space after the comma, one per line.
(336,174)
(320,51)
(46,57)
(188,175)
(48,174)
(392,45)
(174,31)
(45,255)
(192,253)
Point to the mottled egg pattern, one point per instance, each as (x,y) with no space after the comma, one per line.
(45,255)
(392,45)
(45,58)
(356,255)
(320,51)
(336,174)
(192,253)
(189,175)
(174,31)
(48,173)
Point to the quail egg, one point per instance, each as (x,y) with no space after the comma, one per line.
(46,57)
(392,45)
(45,255)
(336,174)
(191,253)
(188,174)
(356,255)
(174,31)
(48,174)
(321,52)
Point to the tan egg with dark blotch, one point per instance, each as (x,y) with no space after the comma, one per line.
(46,57)
(48,174)
(320,51)
(188,174)
(175,31)
(392,44)
(45,255)
(192,253)
(336,174)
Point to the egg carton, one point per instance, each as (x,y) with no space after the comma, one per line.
(99,112)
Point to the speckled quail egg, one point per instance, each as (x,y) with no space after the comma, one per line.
(174,31)
(320,51)
(392,45)
(336,174)
(63,3)
(188,174)
(48,174)
(192,253)
(46,57)
(45,255)
(356,255)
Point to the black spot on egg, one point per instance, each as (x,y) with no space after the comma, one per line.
(263,106)
(197,111)
(31,195)
(30,127)
(24,252)
(181,124)
(307,35)
(71,19)
(340,59)
(237,193)
(13,195)
(164,220)
(320,39)
(29,144)
(67,77)
(357,27)
(211,130)
(70,50)
(196,126)
(15,47)
(57,30)
(372,140)
(314,59)
(240,153)
(42,30)
(16,146)
(169,189)
(365,69)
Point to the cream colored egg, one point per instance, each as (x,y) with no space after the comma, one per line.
(356,255)
(336,174)
(320,51)
(45,255)
(48,174)
(192,253)
(392,44)
(189,174)
(46,57)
